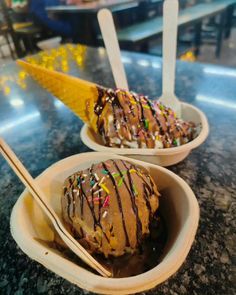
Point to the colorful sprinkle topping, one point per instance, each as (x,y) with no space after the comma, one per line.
(121,181)
(92,182)
(146,107)
(104,214)
(104,171)
(106,202)
(115,174)
(104,188)
(161,107)
(98,191)
(146,123)
(135,190)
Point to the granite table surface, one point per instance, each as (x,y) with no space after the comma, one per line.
(41,130)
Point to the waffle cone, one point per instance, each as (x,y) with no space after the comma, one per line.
(79,95)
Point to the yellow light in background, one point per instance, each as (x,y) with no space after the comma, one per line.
(57,59)
(7,90)
(188,56)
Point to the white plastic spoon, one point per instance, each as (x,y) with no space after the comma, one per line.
(109,35)
(169,45)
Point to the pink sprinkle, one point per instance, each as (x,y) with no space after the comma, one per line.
(106,202)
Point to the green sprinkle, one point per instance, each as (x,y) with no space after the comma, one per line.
(146,123)
(115,174)
(161,107)
(120,181)
(104,171)
(92,182)
(135,191)
(146,107)
(175,142)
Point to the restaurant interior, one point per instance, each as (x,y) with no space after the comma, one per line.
(117,147)
(206,32)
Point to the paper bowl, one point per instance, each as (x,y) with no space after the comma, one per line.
(162,157)
(49,43)
(178,206)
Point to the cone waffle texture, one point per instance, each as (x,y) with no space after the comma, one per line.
(79,95)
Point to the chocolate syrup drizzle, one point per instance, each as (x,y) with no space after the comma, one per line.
(134,206)
(78,180)
(167,136)
(119,202)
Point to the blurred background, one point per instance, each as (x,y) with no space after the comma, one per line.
(207,28)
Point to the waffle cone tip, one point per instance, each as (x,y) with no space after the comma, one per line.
(79,95)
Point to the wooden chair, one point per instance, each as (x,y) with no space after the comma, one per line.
(5,34)
(26,33)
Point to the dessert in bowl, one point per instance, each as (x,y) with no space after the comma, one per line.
(159,153)
(178,207)
(123,122)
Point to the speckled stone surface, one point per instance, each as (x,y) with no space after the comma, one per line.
(42,131)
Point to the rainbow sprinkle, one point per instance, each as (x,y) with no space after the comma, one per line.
(132,171)
(135,190)
(121,181)
(146,123)
(106,202)
(98,191)
(104,188)
(175,142)
(104,214)
(115,174)
(101,181)
(146,107)
(104,171)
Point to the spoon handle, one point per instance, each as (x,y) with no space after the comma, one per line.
(36,192)
(170,24)
(109,35)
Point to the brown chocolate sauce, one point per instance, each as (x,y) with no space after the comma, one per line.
(132,194)
(145,258)
(119,201)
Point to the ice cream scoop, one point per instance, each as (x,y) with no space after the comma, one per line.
(122,118)
(126,119)
(109,206)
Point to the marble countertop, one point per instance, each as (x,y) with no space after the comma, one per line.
(42,131)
